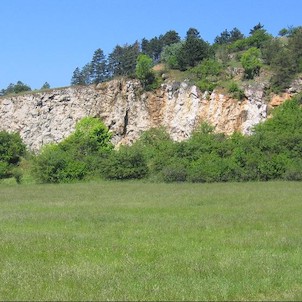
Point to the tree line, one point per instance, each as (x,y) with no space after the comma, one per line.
(206,64)
(281,55)
(20,87)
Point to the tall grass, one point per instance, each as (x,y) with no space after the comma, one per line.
(140,241)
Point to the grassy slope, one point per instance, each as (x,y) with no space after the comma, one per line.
(136,241)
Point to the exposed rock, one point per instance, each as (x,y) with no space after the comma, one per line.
(277,100)
(127,110)
(296,86)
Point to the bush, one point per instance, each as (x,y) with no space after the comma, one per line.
(251,63)
(54,165)
(143,70)
(236,92)
(126,163)
(205,85)
(208,168)
(175,171)
(11,150)
(170,54)
(78,156)
(293,170)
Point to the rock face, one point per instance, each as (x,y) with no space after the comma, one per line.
(127,110)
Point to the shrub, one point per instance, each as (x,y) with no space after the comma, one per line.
(236,92)
(54,165)
(293,170)
(11,150)
(143,70)
(251,63)
(170,54)
(126,163)
(175,171)
(208,168)
(79,155)
(205,85)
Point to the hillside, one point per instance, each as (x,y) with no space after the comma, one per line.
(165,81)
(128,110)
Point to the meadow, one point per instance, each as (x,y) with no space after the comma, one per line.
(148,241)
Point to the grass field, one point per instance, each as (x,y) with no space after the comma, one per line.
(143,241)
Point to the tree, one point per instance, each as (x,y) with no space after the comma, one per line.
(283,32)
(256,27)
(192,33)
(251,63)
(21,87)
(227,37)
(235,35)
(224,38)
(154,47)
(170,54)
(126,163)
(283,66)
(259,38)
(98,67)
(193,51)
(170,37)
(270,50)
(86,74)
(45,86)
(11,150)
(143,69)
(122,60)
(15,88)
(90,136)
(77,78)
(79,155)
(295,48)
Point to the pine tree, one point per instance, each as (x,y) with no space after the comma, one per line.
(98,67)
(76,77)
(45,86)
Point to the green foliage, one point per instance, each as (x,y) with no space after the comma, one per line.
(270,153)
(78,156)
(45,86)
(143,70)
(126,163)
(82,76)
(194,50)
(207,74)
(227,37)
(11,150)
(154,47)
(170,55)
(123,59)
(91,135)
(208,68)
(258,38)
(271,50)
(98,67)
(54,165)
(251,63)
(236,91)
(207,168)
(19,87)
(175,170)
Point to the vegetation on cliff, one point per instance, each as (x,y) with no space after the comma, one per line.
(232,57)
(272,152)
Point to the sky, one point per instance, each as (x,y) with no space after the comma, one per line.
(45,40)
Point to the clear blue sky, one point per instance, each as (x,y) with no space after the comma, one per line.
(45,40)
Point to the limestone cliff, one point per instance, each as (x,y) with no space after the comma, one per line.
(127,110)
